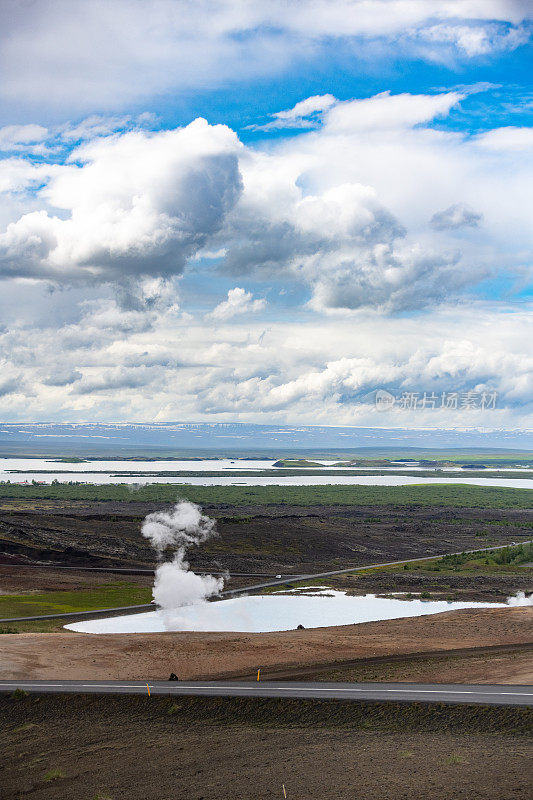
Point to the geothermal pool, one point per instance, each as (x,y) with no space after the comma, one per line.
(275,612)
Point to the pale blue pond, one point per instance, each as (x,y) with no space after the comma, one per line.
(274,612)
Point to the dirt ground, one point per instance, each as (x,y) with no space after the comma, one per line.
(21,580)
(140,749)
(512,665)
(200,655)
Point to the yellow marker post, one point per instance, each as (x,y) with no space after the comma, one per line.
(258,673)
(284,792)
(149,695)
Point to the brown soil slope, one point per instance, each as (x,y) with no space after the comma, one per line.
(194,655)
(81,748)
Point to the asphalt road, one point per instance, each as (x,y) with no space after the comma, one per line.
(286,580)
(499,695)
(141,571)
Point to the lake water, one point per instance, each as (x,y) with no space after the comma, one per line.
(104,472)
(274,612)
(35,465)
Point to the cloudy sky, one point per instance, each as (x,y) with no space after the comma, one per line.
(265,212)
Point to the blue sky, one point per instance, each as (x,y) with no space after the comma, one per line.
(265,213)
(507,100)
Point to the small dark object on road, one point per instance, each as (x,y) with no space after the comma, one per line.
(173,677)
(300,628)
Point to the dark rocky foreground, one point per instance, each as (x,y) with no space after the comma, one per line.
(143,748)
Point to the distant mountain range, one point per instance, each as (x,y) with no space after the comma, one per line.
(196,439)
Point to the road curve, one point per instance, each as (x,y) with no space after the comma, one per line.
(284,581)
(494,695)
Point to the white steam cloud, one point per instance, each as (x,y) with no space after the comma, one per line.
(175,586)
(183,527)
(520,599)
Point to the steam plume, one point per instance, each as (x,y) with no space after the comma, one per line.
(175,585)
(520,599)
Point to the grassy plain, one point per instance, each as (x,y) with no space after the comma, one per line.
(107,595)
(498,561)
(458,495)
(291,472)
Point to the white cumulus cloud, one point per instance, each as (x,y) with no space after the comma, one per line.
(17,137)
(305,114)
(456,216)
(341,209)
(131,204)
(238,301)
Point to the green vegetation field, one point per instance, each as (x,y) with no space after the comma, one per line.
(109,595)
(505,559)
(457,495)
(269,473)
(500,560)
